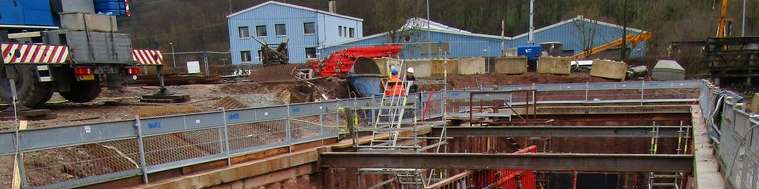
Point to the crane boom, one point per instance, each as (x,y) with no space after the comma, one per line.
(723,23)
(633,39)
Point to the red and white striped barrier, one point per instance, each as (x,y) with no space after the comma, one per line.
(147,56)
(34,54)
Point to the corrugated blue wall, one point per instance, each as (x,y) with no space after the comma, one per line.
(293,18)
(416,44)
(572,35)
(576,35)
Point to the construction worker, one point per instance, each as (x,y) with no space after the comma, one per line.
(394,84)
(410,77)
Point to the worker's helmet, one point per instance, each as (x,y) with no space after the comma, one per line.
(410,70)
(393,70)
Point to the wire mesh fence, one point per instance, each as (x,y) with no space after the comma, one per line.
(249,136)
(72,166)
(734,133)
(7,162)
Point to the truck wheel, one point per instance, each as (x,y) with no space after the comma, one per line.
(29,90)
(82,91)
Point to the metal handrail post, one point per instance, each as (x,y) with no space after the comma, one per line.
(225,141)
(141,147)
(288,128)
(642,88)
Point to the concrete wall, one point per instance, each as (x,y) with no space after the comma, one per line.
(472,66)
(554,65)
(511,65)
(609,69)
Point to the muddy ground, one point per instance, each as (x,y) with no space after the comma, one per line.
(114,105)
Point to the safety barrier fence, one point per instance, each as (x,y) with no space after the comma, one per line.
(734,134)
(79,155)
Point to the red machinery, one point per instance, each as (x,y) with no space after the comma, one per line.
(343,61)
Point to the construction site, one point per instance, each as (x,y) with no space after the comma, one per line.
(302,98)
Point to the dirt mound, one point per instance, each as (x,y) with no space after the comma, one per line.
(230,103)
(274,73)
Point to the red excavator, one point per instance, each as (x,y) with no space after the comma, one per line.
(358,60)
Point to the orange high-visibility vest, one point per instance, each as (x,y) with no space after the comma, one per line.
(394,87)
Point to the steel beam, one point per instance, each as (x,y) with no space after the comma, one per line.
(540,162)
(564,131)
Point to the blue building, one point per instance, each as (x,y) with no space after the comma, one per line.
(426,39)
(272,22)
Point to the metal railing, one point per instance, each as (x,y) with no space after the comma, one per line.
(734,133)
(80,155)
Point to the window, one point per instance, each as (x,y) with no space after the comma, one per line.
(280,29)
(260,55)
(261,31)
(309,28)
(310,52)
(352,32)
(245,56)
(243,31)
(340,30)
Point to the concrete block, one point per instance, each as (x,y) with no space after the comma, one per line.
(441,66)
(554,65)
(755,103)
(609,69)
(422,68)
(511,65)
(87,6)
(89,22)
(472,66)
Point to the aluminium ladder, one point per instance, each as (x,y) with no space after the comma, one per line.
(386,133)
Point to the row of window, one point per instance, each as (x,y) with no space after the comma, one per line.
(346,31)
(245,56)
(280,29)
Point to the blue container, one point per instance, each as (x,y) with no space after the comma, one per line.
(111,7)
(532,52)
(26,12)
(365,84)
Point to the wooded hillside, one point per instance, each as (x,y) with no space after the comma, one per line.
(194,25)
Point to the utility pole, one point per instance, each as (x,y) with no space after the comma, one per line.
(173,56)
(623,52)
(532,27)
(429,34)
(743,22)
